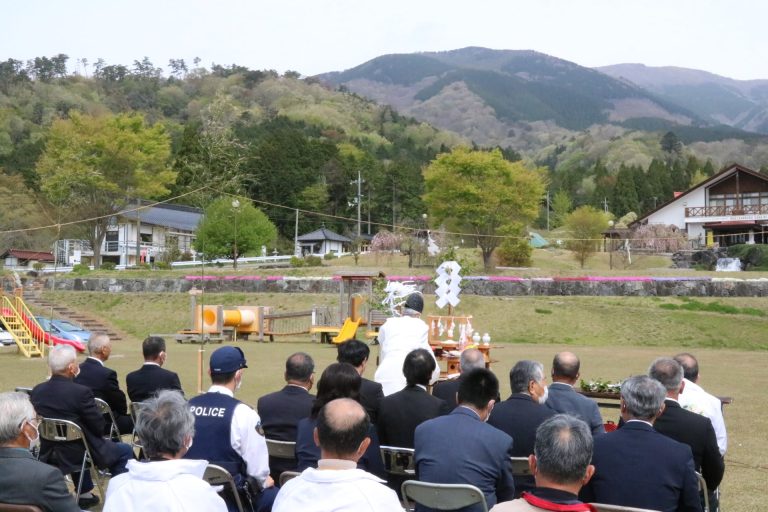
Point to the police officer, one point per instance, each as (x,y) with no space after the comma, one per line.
(226,431)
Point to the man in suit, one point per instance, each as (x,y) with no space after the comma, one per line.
(460,448)
(522,413)
(151,377)
(61,398)
(564,399)
(356,353)
(688,427)
(471,359)
(281,411)
(694,398)
(103,382)
(636,466)
(400,413)
(560,462)
(25,480)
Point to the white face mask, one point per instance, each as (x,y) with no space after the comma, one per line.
(189,444)
(543,398)
(239,383)
(33,443)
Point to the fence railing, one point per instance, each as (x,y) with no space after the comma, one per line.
(724,211)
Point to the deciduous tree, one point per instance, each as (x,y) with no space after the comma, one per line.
(92,167)
(481,193)
(585,226)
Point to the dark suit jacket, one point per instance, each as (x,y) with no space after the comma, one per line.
(60,398)
(400,413)
(564,399)
(458,448)
(148,380)
(636,466)
(446,390)
(103,383)
(519,416)
(280,413)
(26,481)
(371,394)
(696,431)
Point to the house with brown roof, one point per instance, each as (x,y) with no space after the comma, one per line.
(19,259)
(728,208)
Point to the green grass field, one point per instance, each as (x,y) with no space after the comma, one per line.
(614,336)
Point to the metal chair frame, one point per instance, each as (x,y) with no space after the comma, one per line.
(443,496)
(520,466)
(703,490)
(58,431)
(398,461)
(281,449)
(218,476)
(114,432)
(287,475)
(133,409)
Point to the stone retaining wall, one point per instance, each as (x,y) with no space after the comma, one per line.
(487,286)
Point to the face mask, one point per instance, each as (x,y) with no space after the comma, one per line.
(543,398)
(189,444)
(239,383)
(34,444)
(77,371)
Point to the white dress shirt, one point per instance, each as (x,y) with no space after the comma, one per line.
(695,399)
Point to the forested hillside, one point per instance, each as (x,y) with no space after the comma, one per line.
(278,139)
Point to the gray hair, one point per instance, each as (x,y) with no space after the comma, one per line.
(15,409)
(471,359)
(60,357)
(97,342)
(523,373)
(163,422)
(667,371)
(563,448)
(643,396)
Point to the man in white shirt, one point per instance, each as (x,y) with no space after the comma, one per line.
(226,430)
(337,484)
(695,399)
(397,338)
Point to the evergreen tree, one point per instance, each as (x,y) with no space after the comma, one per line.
(624,198)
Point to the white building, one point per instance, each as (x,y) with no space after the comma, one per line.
(729,208)
(322,241)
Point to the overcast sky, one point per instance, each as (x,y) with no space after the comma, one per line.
(727,37)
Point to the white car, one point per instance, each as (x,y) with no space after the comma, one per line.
(5,337)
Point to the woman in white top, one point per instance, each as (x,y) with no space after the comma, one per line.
(166,483)
(397,337)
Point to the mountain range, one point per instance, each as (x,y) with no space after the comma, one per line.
(528,100)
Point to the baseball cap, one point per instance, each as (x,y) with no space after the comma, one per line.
(227,360)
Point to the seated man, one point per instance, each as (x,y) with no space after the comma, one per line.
(281,411)
(636,466)
(400,413)
(356,353)
(23,479)
(151,377)
(103,382)
(522,413)
(61,398)
(687,427)
(561,467)
(226,431)
(337,483)
(167,482)
(694,398)
(562,397)
(471,358)
(460,448)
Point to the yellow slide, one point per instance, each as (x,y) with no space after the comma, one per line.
(348,330)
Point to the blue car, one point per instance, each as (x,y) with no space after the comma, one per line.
(64,329)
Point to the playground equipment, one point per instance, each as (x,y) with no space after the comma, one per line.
(19,321)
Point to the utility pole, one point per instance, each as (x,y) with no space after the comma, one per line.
(605,204)
(296,250)
(359,184)
(138,232)
(547,209)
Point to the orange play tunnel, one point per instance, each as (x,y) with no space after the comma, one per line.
(214,318)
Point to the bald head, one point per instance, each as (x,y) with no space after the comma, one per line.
(690,366)
(342,429)
(471,359)
(565,368)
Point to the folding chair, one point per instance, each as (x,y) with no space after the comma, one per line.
(217,476)
(287,475)
(134,408)
(398,461)
(443,496)
(106,410)
(520,466)
(65,431)
(604,507)
(22,389)
(703,491)
(9,507)
(281,449)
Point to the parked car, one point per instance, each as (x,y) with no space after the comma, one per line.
(5,337)
(64,329)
